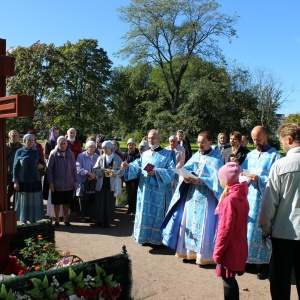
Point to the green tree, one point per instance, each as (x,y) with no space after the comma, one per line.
(32,77)
(267,89)
(130,87)
(161,31)
(80,73)
(219,99)
(293,118)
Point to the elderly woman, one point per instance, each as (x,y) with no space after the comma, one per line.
(62,177)
(222,142)
(84,164)
(27,182)
(73,144)
(54,133)
(109,185)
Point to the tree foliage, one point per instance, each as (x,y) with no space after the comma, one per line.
(293,118)
(32,78)
(161,31)
(267,89)
(69,85)
(80,74)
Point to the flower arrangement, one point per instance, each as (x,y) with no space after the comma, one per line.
(37,255)
(101,286)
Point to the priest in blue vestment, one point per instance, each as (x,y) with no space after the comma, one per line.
(154,170)
(190,224)
(256,167)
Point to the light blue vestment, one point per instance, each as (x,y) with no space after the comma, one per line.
(191,213)
(154,193)
(258,163)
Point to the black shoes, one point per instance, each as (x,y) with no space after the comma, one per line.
(56,224)
(68,224)
(262,276)
(99,224)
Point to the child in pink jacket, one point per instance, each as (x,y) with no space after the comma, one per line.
(230,251)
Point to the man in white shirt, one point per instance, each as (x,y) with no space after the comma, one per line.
(280,214)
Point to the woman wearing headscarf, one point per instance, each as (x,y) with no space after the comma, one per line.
(73,144)
(27,182)
(36,144)
(62,178)
(51,143)
(109,185)
(85,163)
(222,142)
(54,133)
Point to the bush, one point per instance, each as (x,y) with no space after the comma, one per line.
(137,135)
(274,142)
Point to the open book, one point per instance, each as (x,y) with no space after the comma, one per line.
(184,173)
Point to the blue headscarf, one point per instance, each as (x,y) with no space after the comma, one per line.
(108,144)
(27,136)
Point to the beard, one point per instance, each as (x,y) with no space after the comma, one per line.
(152,146)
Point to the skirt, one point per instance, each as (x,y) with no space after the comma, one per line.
(29,206)
(62,197)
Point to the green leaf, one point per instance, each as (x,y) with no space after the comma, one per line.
(99,283)
(68,285)
(49,291)
(45,283)
(70,292)
(72,274)
(109,282)
(10,295)
(3,292)
(99,270)
(36,282)
(35,293)
(79,277)
(80,285)
(53,296)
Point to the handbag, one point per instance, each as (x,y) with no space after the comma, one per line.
(43,172)
(74,205)
(89,187)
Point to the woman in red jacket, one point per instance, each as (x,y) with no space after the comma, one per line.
(230,251)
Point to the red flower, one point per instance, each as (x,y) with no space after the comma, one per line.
(21,272)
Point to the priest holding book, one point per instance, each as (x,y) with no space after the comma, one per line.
(154,170)
(190,224)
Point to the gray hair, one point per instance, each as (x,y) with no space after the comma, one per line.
(60,139)
(173,138)
(70,130)
(12,132)
(155,131)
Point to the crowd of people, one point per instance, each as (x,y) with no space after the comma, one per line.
(221,205)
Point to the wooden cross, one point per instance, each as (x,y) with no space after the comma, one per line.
(10,107)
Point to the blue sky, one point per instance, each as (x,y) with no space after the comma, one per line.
(268,32)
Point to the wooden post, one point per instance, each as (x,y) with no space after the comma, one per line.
(12,106)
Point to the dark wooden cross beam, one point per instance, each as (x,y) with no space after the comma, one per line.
(10,107)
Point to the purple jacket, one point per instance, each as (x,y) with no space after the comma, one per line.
(61,170)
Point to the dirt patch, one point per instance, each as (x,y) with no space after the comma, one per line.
(157,273)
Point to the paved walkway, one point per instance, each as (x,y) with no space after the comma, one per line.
(157,274)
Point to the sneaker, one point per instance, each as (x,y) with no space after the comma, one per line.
(68,224)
